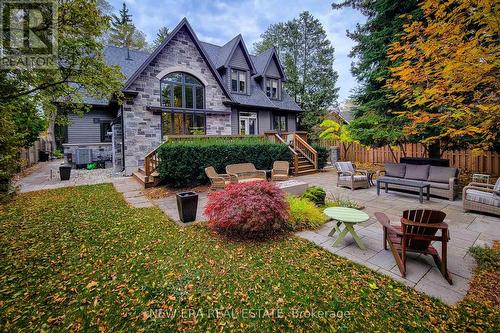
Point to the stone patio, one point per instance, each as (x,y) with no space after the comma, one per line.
(466,230)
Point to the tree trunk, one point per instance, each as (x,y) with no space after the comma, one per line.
(434,150)
(393,155)
(51,136)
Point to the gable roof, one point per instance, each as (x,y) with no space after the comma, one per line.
(240,43)
(222,55)
(263,60)
(182,24)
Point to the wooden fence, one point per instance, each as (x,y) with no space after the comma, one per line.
(29,156)
(488,162)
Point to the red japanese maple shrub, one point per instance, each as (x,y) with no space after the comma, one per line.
(248,210)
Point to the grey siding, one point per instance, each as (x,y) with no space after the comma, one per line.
(84,130)
(234,121)
(292,122)
(238,60)
(272,69)
(264,121)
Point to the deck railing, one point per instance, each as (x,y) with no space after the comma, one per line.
(306,150)
(295,156)
(151,162)
(295,141)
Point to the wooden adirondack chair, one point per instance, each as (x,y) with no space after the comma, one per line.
(418,229)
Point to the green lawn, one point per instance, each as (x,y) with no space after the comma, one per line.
(81,259)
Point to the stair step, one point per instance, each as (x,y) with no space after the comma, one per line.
(306,172)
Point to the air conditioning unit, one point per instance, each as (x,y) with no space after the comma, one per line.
(83,156)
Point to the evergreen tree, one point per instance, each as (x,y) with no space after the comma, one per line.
(307,57)
(374,124)
(123,32)
(161,35)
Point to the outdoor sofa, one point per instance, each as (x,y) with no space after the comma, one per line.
(245,172)
(482,197)
(443,180)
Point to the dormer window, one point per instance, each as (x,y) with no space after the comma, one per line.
(238,81)
(272,88)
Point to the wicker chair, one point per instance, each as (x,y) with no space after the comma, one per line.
(280,170)
(482,197)
(245,172)
(217,181)
(347,175)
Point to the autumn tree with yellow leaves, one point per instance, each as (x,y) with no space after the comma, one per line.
(447,74)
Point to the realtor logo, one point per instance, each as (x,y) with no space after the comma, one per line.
(28,33)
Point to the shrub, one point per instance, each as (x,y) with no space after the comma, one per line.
(304,214)
(339,202)
(322,155)
(315,194)
(248,210)
(183,163)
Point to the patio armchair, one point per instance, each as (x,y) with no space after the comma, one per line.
(280,170)
(418,229)
(347,175)
(482,197)
(245,172)
(217,181)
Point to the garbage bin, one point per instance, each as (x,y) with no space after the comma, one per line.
(187,205)
(65,171)
(43,156)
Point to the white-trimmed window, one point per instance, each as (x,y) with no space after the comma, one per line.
(239,81)
(273,88)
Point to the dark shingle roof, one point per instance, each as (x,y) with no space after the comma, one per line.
(128,63)
(114,55)
(218,56)
(261,60)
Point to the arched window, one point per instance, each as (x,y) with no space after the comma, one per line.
(181,90)
(184,96)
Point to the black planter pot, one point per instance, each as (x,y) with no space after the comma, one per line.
(65,172)
(187,205)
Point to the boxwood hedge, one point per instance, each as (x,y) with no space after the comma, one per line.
(183,163)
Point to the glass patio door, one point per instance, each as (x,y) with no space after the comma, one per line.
(248,123)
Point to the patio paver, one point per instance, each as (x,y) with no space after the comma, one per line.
(466,230)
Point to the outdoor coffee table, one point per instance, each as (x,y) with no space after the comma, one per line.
(407,183)
(348,217)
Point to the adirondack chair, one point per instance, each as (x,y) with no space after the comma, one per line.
(418,229)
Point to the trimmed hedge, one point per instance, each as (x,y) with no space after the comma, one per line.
(322,155)
(183,163)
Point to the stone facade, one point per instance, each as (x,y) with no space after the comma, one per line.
(218,124)
(142,127)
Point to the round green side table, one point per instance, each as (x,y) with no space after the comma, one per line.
(348,217)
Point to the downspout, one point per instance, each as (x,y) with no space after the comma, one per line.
(123,138)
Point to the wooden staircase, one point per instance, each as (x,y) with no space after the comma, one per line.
(304,157)
(304,166)
(149,175)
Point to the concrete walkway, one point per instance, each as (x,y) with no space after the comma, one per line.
(45,175)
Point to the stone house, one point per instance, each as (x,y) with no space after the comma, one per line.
(184,87)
